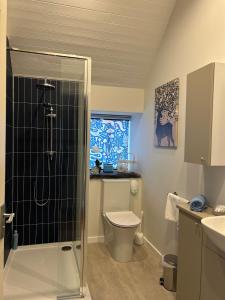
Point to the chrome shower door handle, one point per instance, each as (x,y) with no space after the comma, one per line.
(8,217)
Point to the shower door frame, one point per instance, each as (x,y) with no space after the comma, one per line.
(86,150)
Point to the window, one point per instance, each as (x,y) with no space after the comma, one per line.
(109,139)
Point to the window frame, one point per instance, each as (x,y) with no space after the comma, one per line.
(113,117)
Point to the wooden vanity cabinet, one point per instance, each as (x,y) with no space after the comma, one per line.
(201,265)
(189,258)
(213,272)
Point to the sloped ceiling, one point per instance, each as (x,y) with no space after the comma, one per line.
(121,36)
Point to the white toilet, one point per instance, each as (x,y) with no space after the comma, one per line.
(120,223)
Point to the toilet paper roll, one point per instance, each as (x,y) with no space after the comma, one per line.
(139,238)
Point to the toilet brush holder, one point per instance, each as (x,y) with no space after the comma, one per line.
(139,238)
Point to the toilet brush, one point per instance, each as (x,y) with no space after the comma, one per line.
(139,236)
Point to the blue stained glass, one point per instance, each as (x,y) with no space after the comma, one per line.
(111,137)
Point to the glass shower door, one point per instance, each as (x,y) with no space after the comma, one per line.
(71,231)
(50,171)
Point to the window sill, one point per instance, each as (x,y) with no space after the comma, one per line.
(115,174)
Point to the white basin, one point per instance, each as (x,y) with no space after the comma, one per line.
(214,228)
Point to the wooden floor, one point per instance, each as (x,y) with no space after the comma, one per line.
(135,280)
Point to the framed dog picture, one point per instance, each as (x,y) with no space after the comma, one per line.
(166,114)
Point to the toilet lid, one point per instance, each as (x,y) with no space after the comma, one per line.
(123,218)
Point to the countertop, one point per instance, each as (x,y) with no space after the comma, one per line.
(208,212)
(115,175)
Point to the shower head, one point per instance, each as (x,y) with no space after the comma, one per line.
(45,85)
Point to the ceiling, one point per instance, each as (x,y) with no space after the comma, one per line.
(121,36)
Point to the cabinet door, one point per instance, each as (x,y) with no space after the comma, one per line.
(189,258)
(199,107)
(213,275)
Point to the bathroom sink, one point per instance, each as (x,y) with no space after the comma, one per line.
(214,228)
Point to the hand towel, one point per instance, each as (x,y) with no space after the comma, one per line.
(171,211)
(198,203)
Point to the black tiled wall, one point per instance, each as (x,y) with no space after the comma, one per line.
(36,177)
(9,155)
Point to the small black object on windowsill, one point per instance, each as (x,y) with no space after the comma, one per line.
(97,169)
(98,165)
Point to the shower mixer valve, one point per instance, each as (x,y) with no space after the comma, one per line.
(51,114)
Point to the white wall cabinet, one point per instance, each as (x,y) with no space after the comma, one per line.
(205,116)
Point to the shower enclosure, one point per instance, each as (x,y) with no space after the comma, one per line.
(47,174)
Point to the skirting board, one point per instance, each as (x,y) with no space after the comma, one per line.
(153,247)
(100,239)
(95,239)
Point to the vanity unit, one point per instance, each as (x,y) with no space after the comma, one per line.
(201,265)
(205,105)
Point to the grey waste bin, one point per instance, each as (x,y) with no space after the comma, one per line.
(170,272)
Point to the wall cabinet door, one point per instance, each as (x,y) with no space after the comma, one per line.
(189,258)
(205,105)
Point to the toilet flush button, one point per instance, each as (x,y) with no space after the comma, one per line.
(134,187)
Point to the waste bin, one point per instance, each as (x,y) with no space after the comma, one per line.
(169,279)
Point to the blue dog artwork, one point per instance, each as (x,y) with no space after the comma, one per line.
(166,114)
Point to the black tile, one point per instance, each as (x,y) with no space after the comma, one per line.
(16,86)
(53,233)
(45,233)
(53,187)
(39,234)
(9,195)
(7,241)
(26,235)
(24,164)
(28,93)
(22,213)
(9,111)
(9,166)
(22,140)
(71,162)
(35,92)
(36,170)
(23,188)
(32,234)
(21,89)
(9,139)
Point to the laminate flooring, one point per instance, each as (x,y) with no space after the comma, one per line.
(135,280)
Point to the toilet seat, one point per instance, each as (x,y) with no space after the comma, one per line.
(123,219)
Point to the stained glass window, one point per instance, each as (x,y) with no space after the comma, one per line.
(109,140)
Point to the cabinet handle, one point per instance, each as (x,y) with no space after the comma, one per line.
(202,159)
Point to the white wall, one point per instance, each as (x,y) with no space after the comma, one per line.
(195,37)
(95,225)
(117,99)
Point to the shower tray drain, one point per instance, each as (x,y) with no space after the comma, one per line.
(66,248)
